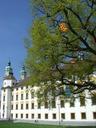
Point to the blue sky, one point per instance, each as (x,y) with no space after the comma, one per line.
(15,20)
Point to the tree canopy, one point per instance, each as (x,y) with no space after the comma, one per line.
(62,45)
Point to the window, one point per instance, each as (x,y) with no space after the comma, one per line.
(53,104)
(39,116)
(62,115)
(3,98)
(16,115)
(46,116)
(12,98)
(3,115)
(27,106)
(94,115)
(26,95)
(12,107)
(21,96)
(32,95)
(26,87)
(26,115)
(3,107)
(21,106)
(21,88)
(93,98)
(11,116)
(72,104)
(83,115)
(72,115)
(32,105)
(54,116)
(39,105)
(32,116)
(82,101)
(16,106)
(16,97)
(16,89)
(21,115)
(46,104)
(62,103)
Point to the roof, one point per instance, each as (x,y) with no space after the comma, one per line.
(9,77)
(22,82)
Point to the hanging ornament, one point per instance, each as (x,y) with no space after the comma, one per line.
(63,27)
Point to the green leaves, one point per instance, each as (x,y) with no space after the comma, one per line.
(53,55)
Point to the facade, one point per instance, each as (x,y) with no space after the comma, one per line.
(18,102)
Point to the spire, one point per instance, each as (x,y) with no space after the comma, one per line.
(23,73)
(8,69)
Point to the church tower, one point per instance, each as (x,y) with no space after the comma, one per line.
(23,73)
(6,93)
(8,69)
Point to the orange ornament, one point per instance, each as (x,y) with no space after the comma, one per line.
(63,27)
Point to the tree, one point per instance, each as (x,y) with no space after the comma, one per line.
(62,48)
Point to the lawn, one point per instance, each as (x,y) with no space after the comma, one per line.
(29,125)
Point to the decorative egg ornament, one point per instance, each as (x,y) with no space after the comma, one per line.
(63,27)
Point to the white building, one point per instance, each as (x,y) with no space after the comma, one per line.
(19,103)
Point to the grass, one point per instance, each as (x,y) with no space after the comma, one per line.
(6,124)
